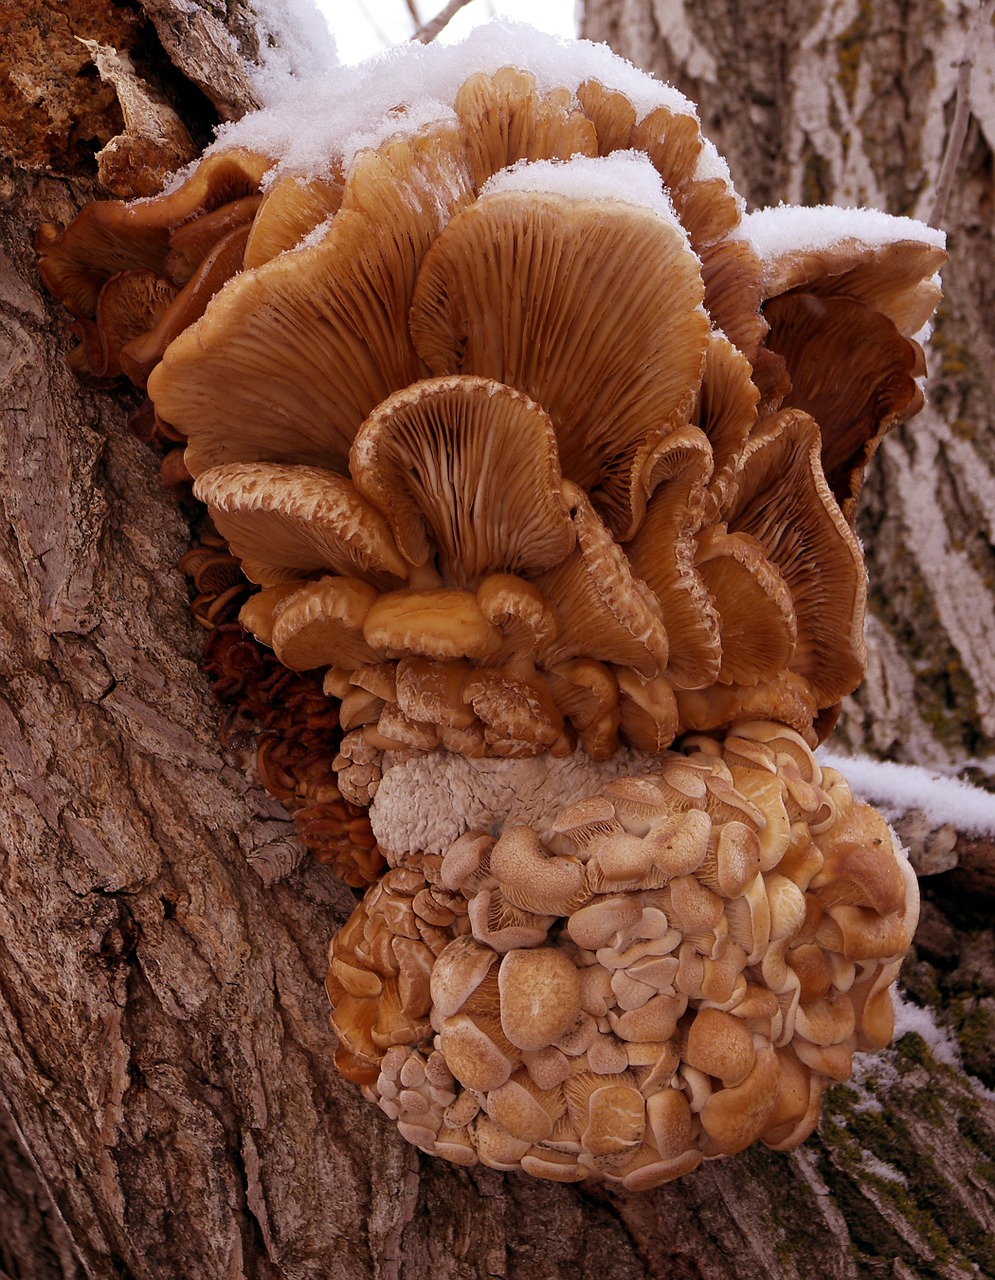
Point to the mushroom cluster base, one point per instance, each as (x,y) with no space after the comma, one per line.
(677,968)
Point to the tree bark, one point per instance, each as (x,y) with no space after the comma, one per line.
(168,1104)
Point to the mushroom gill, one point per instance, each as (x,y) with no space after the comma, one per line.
(540,457)
(649,992)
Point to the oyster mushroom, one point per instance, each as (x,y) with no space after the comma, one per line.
(576,563)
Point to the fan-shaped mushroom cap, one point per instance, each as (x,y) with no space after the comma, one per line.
(521,288)
(431,624)
(756,612)
(735,1117)
(505,119)
(127,304)
(852,370)
(322,625)
(470,467)
(721,1046)
(109,236)
(291,209)
(727,410)
(662,553)
(607,612)
(783,502)
(532,879)
(302,519)
(611,113)
(223,260)
(291,358)
(889,263)
(520,611)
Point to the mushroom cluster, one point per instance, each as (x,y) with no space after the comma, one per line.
(678,969)
(541,450)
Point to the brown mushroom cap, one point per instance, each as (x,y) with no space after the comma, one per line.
(852,370)
(521,288)
(469,467)
(299,519)
(606,612)
(783,502)
(322,625)
(504,118)
(291,209)
(222,261)
(109,236)
(754,605)
(662,553)
(290,359)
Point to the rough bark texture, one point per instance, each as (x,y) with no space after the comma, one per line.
(168,1107)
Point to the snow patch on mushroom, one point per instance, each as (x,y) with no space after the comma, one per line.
(623,175)
(309,118)
(427,802)
(792,228)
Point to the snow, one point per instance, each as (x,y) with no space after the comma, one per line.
(897,788)
(295,43)
(311,115)
(784,229)
(940,1042)
(627,176)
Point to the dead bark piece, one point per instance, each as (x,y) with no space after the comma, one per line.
(210,54)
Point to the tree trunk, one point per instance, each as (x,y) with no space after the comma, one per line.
(168,1104)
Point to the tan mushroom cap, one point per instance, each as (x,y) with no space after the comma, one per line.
(257,614)
(521,288)
(468,467)
(727,410)
(430,624)
(586,693)
(523,615)
(109,236)
(732,274)
(290,210)
(222,261)
(754,604)
(735,1117)
(322,625)
(853,371)
(540,996)
(611,113)
(783,502)
(129,302)
(606,612)
(898,279)
(300,519)
(504,118)
(662,553)
(290,359)
(192,241)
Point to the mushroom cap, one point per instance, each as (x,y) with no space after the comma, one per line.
(467,466)
(784,503)
(299,519)
(646,988)
(520,288)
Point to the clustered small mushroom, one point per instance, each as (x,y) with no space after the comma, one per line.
(544,455)
(679,968)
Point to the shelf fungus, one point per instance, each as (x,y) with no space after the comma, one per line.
(543,455)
